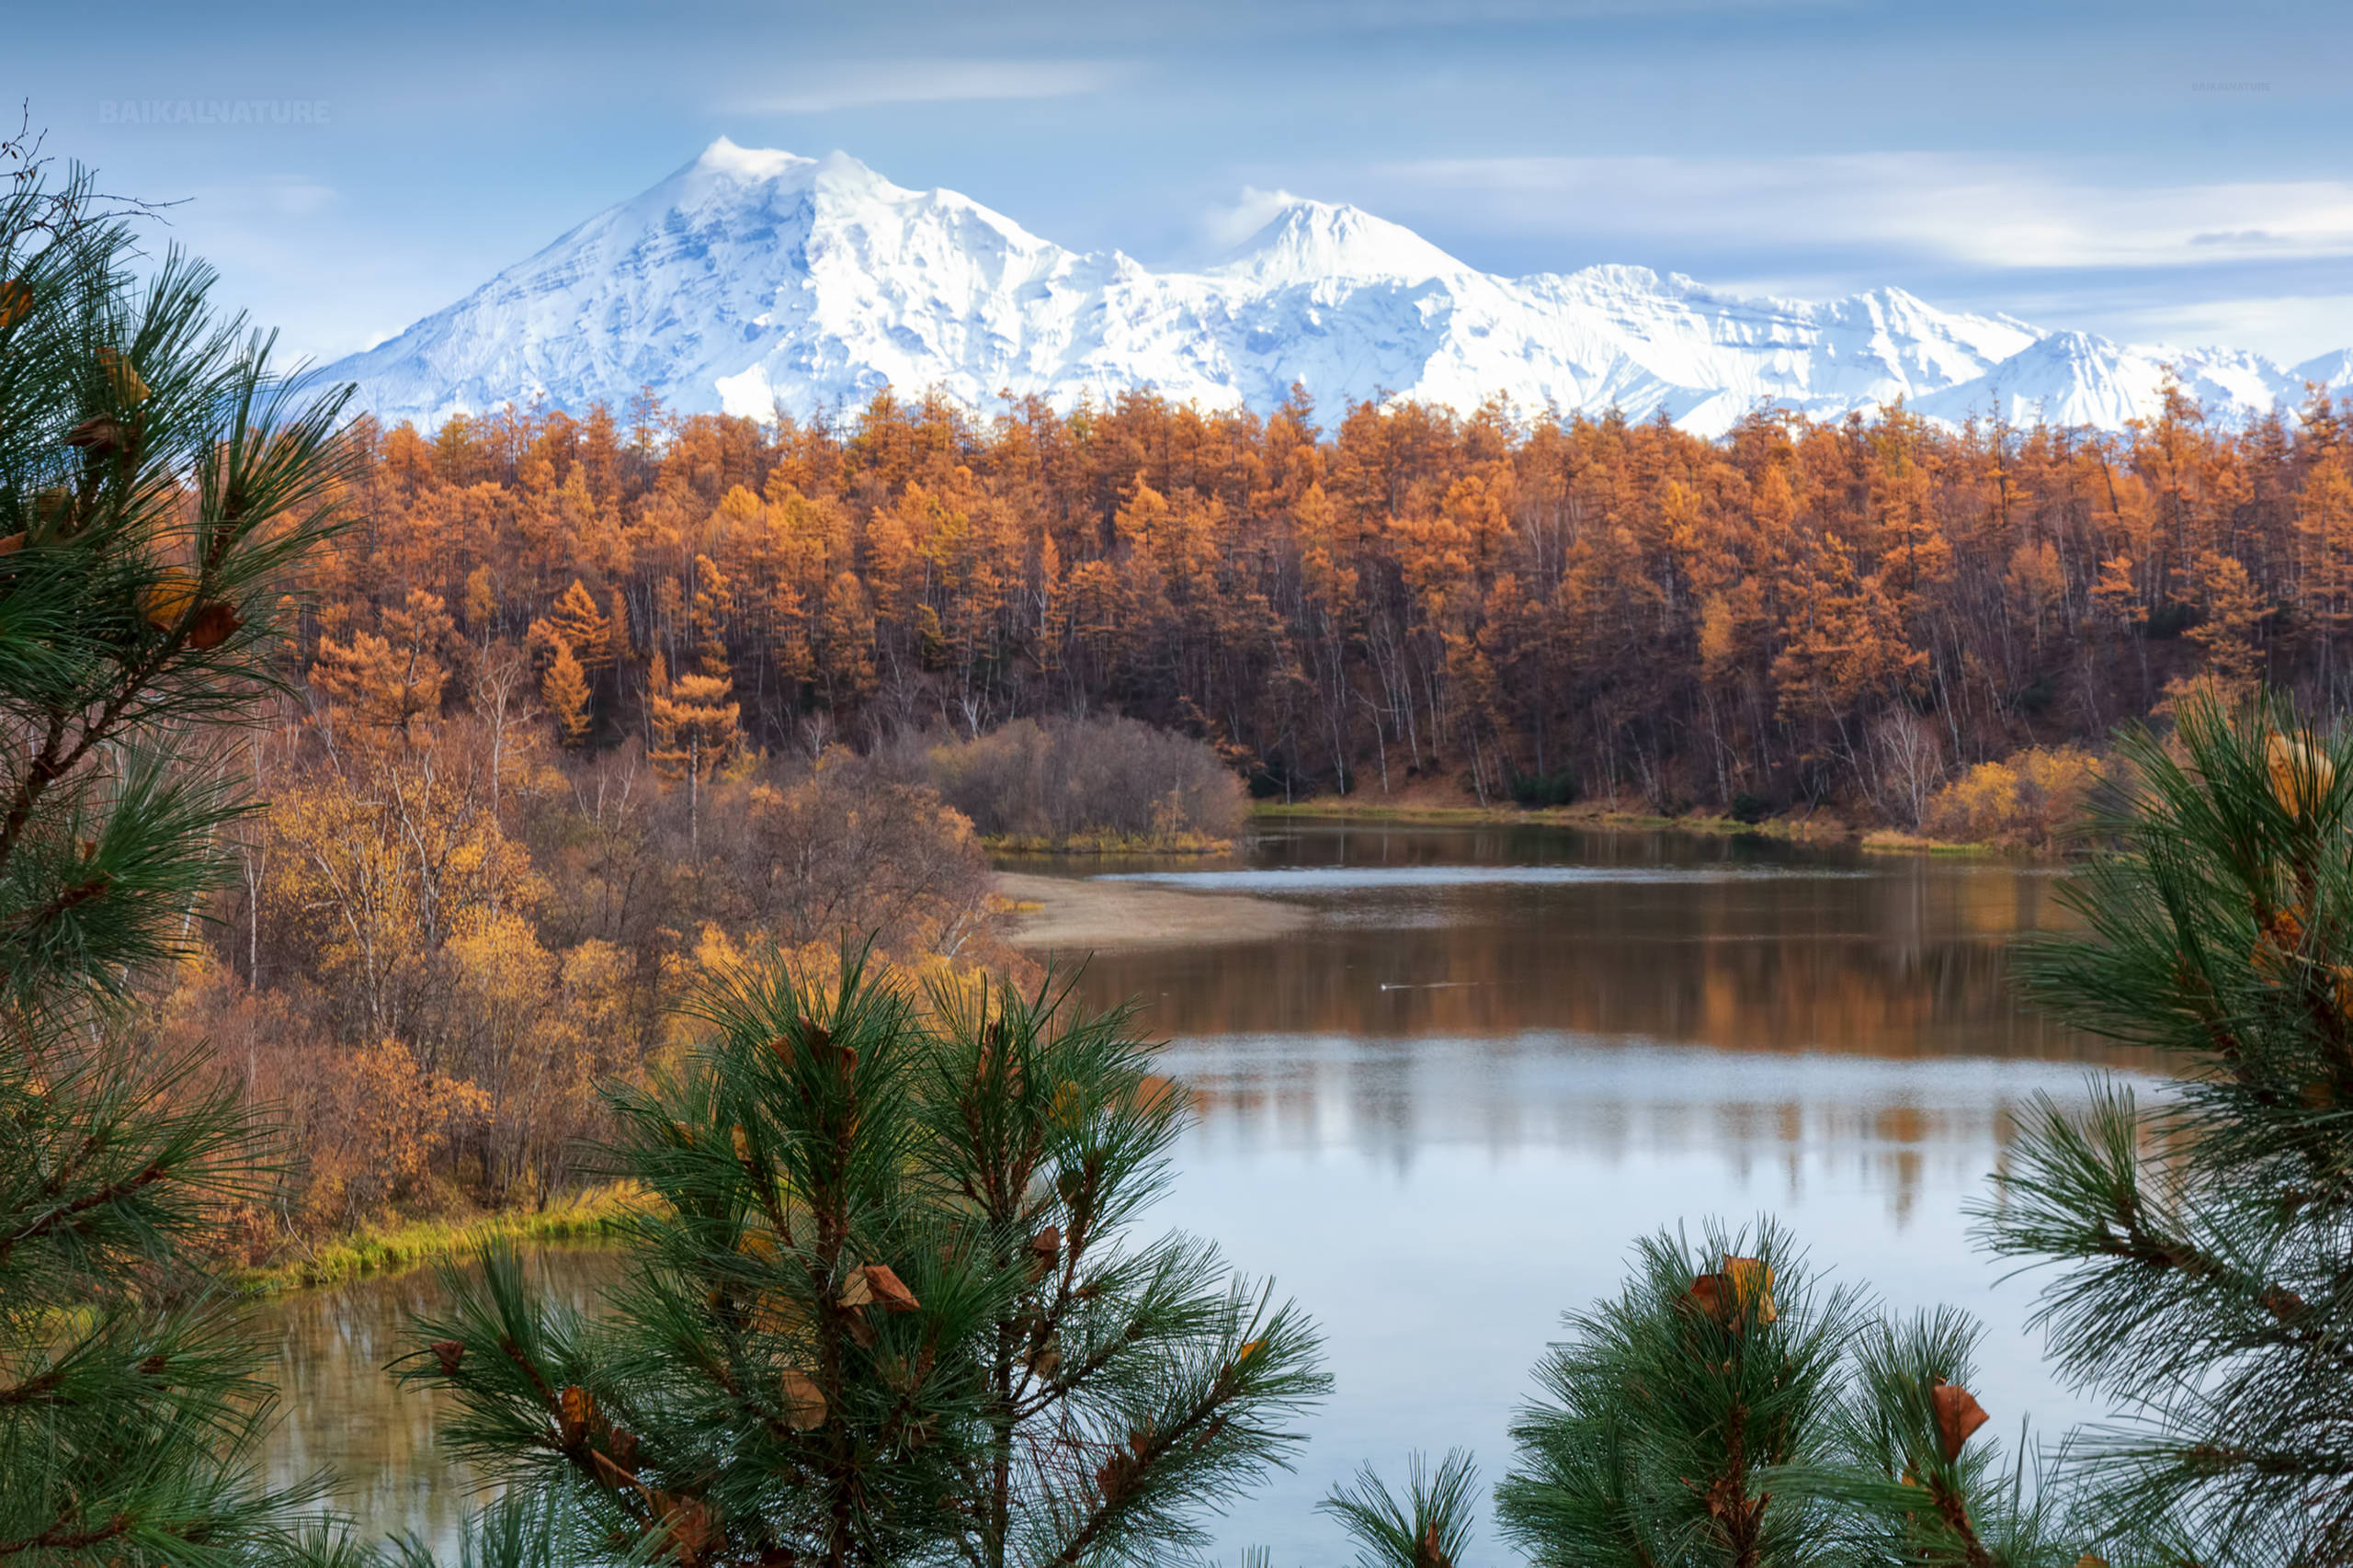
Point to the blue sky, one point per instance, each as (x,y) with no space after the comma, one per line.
(2151,171)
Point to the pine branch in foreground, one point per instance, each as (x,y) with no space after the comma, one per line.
(1721,1412)
(157,483)
(888,1311)
(2202,1236)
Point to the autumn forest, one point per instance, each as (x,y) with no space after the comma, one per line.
(552,652)
(1797,616)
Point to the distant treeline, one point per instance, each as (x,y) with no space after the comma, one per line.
(1797,613)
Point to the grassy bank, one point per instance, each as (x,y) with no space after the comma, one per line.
(389,1249)
(1818,830)
(1795,830)
(1887,841)
(1106,844)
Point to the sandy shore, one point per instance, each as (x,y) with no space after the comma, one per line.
(1073,915)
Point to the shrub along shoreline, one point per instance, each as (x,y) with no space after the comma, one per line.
(1795,830)
(594,1213)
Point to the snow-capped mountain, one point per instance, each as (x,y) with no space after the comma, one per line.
(750,280)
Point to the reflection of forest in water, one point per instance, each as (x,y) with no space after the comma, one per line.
(1760,947)
(340,1410)
(1891,1126)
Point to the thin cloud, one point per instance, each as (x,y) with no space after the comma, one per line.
(2289,327)
(1228,224)
(1964,208)
(859,84)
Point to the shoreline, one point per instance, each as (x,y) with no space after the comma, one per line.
(1871,840)
(384,1250)
(1063,913)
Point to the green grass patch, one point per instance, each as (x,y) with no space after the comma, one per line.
(410,1243)
(1107,844)
(1887,841)
(1796,830)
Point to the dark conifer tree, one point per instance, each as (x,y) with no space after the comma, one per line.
(2203,1234)
(887,1309)
(157,481)
(1721,1412)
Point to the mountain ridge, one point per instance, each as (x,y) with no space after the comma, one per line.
(750,280)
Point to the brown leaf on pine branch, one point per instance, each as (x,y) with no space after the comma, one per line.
(688,1523)
(1958,1415)
(213,625)
(1111,1478)
(805,1402)
(1045,1251)
(886,1289)
(1430,1553)
(164,600)
(1752,1286)
(1743,1287)
(1711,1296)
(578,1408)
(123,377)
(101,436)
(2301,774)
(449,1353)
(15,300)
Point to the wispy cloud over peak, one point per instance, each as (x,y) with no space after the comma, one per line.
(822,87)
(1959,207)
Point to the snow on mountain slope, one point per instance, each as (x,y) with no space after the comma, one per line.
(753,280)
(2074,377)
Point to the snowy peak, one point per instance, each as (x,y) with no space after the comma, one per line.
(1314,242)
(724,160)
(752,279)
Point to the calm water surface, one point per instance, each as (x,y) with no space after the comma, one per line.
(1441,1112)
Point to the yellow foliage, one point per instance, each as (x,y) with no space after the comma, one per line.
(370,871)
(2028,801)
(383,1118)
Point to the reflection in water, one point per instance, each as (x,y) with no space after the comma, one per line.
(1749,946)
(1347,878)
(340,1412)
(1438,1202)
(1440,1114)
(1895,1124)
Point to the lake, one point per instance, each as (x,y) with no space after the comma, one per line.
(1440,1112)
